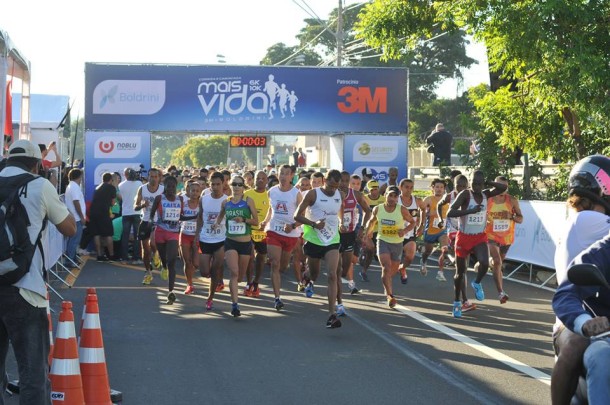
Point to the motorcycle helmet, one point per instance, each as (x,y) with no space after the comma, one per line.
(590,177)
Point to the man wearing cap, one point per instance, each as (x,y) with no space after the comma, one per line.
(440,145)
(389,219)
(23,305)
(373,198)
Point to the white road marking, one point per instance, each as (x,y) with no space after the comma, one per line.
(493,353)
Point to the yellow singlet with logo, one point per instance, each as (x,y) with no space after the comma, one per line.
(389,223)
(261,202)
(500,225)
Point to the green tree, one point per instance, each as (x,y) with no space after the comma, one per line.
(163,145)
(200,151)
(77,135)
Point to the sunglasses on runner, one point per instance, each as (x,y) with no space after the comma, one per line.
(237,184)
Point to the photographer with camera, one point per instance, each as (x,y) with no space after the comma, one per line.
(128,191)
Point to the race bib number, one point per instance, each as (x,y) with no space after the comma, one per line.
(501,225)
(258,236)
(190,226)
(477,219)
(278,228)
(435,222)
(347,219)
(210,231)
(237,228)
(389,230)
(171,214)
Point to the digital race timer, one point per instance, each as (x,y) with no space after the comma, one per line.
(253,141)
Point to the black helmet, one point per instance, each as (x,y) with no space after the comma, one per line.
(590,178)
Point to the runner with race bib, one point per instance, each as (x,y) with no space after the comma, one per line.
(471,208)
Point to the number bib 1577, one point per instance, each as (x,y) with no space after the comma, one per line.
(501,225)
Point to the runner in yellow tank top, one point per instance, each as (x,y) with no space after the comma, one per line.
(372,198)
(434,234)
(502,213)
(389,220)
(259,195)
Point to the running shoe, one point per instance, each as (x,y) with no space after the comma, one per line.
(209,305)
(220,286)
(189,289)
(341,310)
(440,276)
(391,301)
(248,290)
(148,277)
(403,275)
(137,262)
(103,259)
(478,291)
(503,297)
(333,322)
(423,269)
(363,276)
(351,286)
(300,287)
(164,273)
(457,309)
(156,260)
(256,291)
(235,310)
(468,306)
(171,298)
(309,290)
(278,304)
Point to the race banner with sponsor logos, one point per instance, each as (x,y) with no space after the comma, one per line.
(113,152)
(245,98)
(375,152)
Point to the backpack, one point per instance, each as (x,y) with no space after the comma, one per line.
(16,249)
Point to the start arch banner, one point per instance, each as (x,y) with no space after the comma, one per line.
(271,99)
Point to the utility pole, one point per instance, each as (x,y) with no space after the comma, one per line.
(339,33)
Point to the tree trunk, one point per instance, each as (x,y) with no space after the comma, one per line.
(527,186)
(573,124)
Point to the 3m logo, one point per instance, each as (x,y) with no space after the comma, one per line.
(106,147)
(361,100)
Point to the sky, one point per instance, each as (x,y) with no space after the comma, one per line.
(59,36)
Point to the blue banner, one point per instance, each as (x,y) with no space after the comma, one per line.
(113,152)
(269,99)
(375,152)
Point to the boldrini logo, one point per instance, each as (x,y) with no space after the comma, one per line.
(129,97)
(117,147)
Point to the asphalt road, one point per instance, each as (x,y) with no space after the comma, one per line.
(416,354)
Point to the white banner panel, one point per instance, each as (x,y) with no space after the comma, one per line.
(536,238)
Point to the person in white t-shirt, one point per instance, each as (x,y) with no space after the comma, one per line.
(23,305)
(128,192)
(75,201)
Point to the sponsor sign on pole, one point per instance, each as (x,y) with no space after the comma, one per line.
(245,98)
(113,152)
(375,152)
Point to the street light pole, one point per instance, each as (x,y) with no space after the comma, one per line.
(339,33)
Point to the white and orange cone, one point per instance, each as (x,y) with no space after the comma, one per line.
(50,329)
(92,358)
(90,290)
(66,382)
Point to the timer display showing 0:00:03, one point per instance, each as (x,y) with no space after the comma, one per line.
(249,141)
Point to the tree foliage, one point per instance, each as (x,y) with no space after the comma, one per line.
(200,151)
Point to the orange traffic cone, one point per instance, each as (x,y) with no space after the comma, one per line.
(92,358)
(66,382)
(90,290)
(50,329)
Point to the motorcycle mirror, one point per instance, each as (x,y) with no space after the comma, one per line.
(586,274)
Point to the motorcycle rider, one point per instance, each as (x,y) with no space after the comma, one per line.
(590,197)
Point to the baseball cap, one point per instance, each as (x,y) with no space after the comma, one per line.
(372,184)
(392,189)
(25,148)
(367,172)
